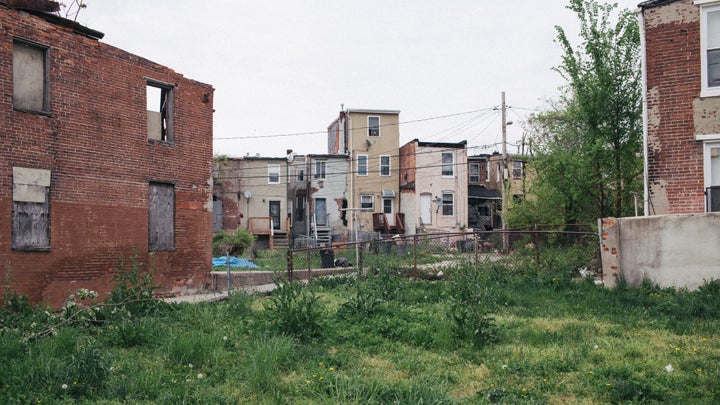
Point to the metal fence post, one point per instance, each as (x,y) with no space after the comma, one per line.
(360,257)
(290,264)
(476,237)
(415,256)
(309,263)
(537,248)
(227,264)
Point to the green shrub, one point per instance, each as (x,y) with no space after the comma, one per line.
(295,310)
(133,290)
(471,299)
(234,243)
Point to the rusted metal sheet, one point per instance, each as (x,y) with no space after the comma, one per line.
(37,5)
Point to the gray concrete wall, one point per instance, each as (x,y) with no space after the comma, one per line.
(669,250)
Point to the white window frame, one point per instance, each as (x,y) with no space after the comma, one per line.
(271,171)
(443,164)
(444,204)
(385,166)
(706,6)
(372,201)
(709,142)
(300,175)
(365,172)
(372,129)
(471,175)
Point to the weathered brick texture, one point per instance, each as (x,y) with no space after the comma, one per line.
(96,145)
(673,88)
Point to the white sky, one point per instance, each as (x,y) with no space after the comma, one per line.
(286,66)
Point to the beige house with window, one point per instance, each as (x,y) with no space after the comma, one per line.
(371,139)
(433,186)
(251,193)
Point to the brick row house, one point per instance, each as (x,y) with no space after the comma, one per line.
(103,155)
(682,93)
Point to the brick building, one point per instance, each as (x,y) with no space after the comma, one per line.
(103,155)
(682,38)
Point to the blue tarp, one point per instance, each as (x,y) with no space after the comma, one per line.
(234,262)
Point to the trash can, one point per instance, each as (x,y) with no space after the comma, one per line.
(327,258)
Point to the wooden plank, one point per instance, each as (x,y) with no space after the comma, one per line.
(31,224)
(161,217)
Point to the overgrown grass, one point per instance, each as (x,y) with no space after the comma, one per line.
(481,336)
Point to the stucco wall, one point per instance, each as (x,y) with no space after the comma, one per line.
(669,250)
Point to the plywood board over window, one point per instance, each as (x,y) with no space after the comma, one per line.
(161,217)
(30,77)
(31,209)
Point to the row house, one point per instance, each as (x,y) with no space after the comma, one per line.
(318,189)
(433,181)
(250,193)
(371,141)
(484,200)
(104,155)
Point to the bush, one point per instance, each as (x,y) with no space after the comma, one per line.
(294,310)
(235,243)
(471,300)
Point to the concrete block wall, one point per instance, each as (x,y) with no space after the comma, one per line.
(669,250)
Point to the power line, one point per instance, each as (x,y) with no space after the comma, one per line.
(356,128)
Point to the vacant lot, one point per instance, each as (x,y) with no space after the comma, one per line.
(480,335)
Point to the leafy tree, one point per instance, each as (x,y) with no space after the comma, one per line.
(588,145)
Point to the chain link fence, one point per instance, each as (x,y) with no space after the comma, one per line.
(572,251)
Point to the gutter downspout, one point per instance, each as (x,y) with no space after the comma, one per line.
(643,69)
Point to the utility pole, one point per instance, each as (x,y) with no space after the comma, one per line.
(504,181)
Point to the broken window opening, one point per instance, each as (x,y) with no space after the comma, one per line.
(159,110)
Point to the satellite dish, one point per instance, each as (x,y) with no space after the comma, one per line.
(248,194)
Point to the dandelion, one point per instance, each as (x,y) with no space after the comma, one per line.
(590,372)
(200,375)
(504,366)
(332,368)
(677,349)
(321,364)
(596,347)
(669,368)
(321,378)
(307,381)
(609,385)
(190,365)
(64,386)
(225,338)
(699,370)
(74,382)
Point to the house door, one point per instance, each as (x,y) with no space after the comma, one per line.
(275,213)
(426,208)
(217,215)
(320,212)
(388,211)
(712,176)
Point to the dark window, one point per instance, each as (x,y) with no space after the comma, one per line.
(273,174)
(474,173)
(447,164)
(161,217)
(31,209)
(373,126)
(517,169)
(300,174)
(448,204)
(159,111)
(320,170)
(367,201)
(30,83)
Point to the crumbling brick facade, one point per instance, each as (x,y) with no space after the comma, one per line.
(93,142)
(676,113)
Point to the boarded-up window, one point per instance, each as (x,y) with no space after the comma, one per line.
(161,222)
(29,77)
(159,98)
(31,209)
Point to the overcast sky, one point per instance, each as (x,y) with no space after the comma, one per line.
(285,67)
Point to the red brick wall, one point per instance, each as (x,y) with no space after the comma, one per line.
(95,143)
(673,84)
(407,166)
